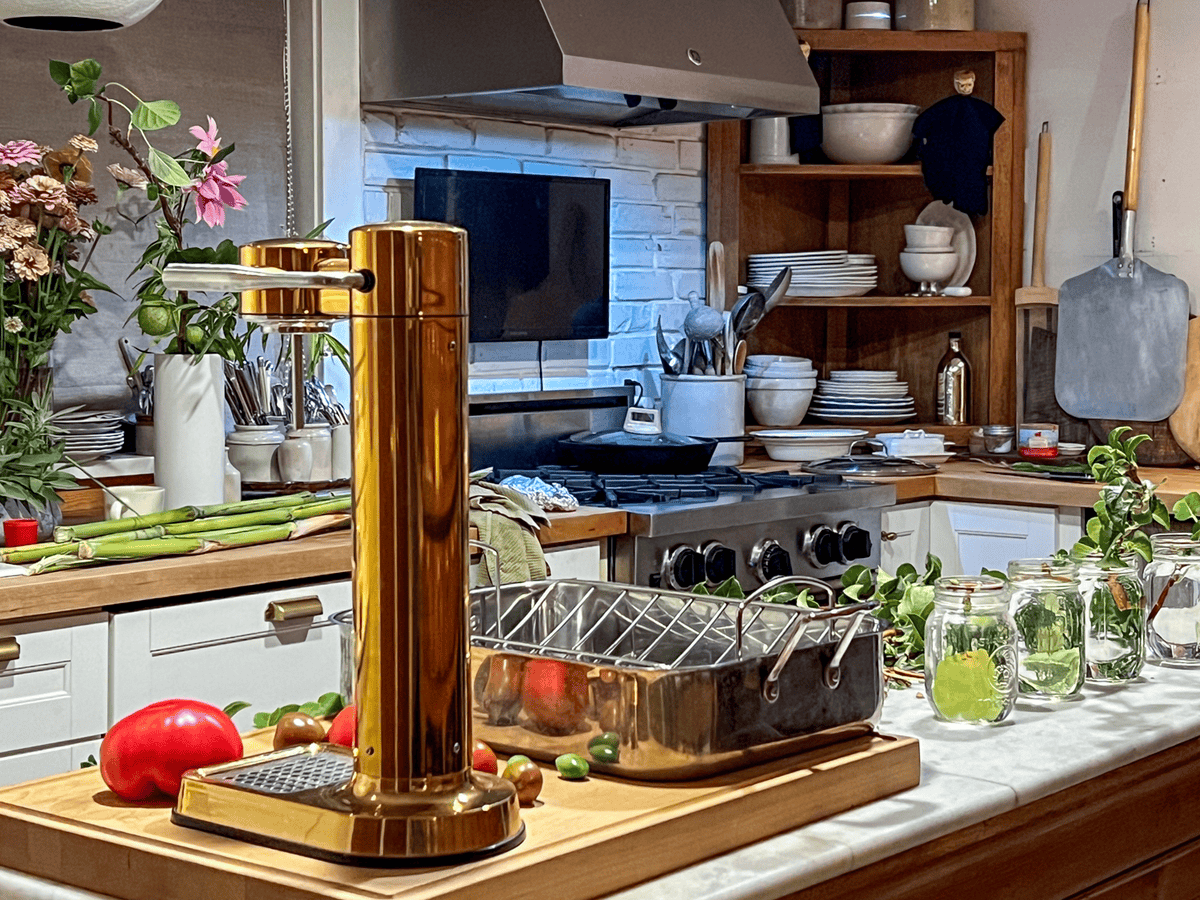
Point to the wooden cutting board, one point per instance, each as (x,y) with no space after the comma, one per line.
(583,839)
(1185,421)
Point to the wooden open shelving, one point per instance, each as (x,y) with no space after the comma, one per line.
(821,205)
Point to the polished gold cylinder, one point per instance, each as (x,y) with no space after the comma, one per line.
(298,309)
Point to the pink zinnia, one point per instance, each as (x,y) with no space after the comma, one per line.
(210,143)
(14,153)
(215,191)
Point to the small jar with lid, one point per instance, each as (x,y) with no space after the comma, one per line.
(1115,649)
(971,651)
(998,438)
(1172,582)
(1051,627)
(813,13)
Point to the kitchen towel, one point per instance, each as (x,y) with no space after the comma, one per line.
(953,140)
(509,522)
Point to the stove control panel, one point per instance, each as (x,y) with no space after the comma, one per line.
(683,569)
(856,542)
(720,562)
(769,560)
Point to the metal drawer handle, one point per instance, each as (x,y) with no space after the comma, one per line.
(888,536)
(300,608)
(9,649)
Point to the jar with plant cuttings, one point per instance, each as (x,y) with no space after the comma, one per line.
(1172,582)
(1048,610)
(1115,649)
(971,651)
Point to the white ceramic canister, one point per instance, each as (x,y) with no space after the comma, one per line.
(342,454)
(322,450)
(189,429)
(935,15)
(710,406)
(254,451)
(771,142)
(295,459)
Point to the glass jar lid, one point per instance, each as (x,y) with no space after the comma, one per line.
(1047,569)
(969,592)
(1172,545)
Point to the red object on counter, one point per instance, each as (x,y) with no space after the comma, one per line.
(1038,452)
(148,751)
(344,727)
(19,532)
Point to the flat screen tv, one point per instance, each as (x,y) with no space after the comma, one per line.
(538,250)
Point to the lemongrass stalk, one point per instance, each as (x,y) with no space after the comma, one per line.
(322,508)
(150,549)
(223,534)
(282,501)
(117,526)
(57,563)
(317,524)
(141,534)
(266,535)
(30,553)
(221,523)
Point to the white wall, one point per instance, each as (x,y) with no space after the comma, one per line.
(1080,57)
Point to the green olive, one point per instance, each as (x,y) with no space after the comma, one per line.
(572,766)
(604,753)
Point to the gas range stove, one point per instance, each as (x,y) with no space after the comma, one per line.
(686,530)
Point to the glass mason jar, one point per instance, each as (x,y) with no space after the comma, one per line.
(1115,649)
(971,651)
(1173,594)
(1049,613)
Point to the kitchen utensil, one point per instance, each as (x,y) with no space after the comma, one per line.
(929,270)
(1122,342)
(739,357)
(688,671)
(134,500)
(1185,420)
(935,15)
(859,464)
(702,322)
(771,142)
(778,289)
(813,13)
(664,350)
(751,313)
(1037,294)
(640,446)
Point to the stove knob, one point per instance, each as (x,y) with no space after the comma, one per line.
(720,562)
(683,569)
(856,542)
(770,560)
(826,546)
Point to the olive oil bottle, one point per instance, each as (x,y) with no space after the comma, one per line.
(954,384)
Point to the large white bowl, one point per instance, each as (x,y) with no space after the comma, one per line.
(781,384)
(779,370)
(928,236)
(807,444)
(839,108)
(778,407)
(867,138)
(762,359)
(935,267)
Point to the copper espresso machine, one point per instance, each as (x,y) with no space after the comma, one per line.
(407,793)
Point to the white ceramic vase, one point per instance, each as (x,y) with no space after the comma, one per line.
(189,429)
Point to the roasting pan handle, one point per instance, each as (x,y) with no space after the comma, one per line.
(483,616)
(833,671)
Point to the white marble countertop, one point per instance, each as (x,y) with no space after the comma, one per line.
(968,774)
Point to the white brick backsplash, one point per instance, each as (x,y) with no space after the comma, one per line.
(691,155)
(628,185)
(633,350)
(635,253)
(510,138)
(599,354)
(630,318)
(629,218)
(672,312)
(686,282)
(380,127)
(680,253)
(375,206)
(651,154)
(483,163)
(554,168)
(689,220)
(692,131)
(381,167)
(567,144)
(679,187)
(433,131)
(640,285)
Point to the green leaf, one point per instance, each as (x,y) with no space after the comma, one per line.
(93,116)
(730,589)
(994,573)
(100,227)
(81,80)
(1187,508)
(1139,543)
(155,114)
(151,191)
(60,72)
(226,253)
(235,707)
(89,762)
(218,156)
(261,720)
(319,230)
(167,170)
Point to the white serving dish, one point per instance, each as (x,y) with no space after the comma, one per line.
(913,442)
(929,267)
(778,408)
(867,138)
(807,444)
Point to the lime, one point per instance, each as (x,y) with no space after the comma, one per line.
(572,766)
(154,320)
(195,337)
(965,688)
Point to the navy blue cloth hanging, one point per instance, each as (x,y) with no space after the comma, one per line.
(953,141)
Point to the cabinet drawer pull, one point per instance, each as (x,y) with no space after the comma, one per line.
(9,649)
(888,536)
(300,608)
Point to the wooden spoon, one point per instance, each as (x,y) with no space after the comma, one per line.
(739,358)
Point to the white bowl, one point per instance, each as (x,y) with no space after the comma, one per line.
(867,138)
(784,407)
(926,267)
(807,444)
(928,236)
(780,370)
(781,384)
(758,359)
(839,108)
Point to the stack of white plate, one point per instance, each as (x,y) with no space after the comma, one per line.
(91,433)
(816,273)
(862,396)
(779,388)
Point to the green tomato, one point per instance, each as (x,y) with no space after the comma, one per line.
(195,336)
(605,753)
(572,766)
(154,320)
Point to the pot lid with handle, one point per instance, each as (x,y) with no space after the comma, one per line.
(869,464)
(642,428)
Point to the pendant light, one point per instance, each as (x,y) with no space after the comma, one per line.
(74,15)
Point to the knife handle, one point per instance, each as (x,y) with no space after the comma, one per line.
(1118,217)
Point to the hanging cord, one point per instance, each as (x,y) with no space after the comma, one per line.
(289,161)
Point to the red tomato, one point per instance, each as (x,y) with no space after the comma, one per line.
(554,695)
(483,759)
(148,751)
(344,727)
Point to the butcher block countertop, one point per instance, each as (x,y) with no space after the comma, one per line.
(319,556)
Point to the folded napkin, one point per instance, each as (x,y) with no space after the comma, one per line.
(508,521)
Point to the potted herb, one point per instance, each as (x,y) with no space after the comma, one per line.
(33,464)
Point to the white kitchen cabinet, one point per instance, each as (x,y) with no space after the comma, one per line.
(905,536)
(973,536)
(225,649)
(27,765)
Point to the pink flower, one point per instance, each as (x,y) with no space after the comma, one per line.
(16,152)
(210,143)
(215,191)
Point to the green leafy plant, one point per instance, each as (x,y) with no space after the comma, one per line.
(905,602)
(324,706)
(731,589)
(198,175)
(32,457)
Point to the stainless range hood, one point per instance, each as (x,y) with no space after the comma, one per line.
(586,62)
